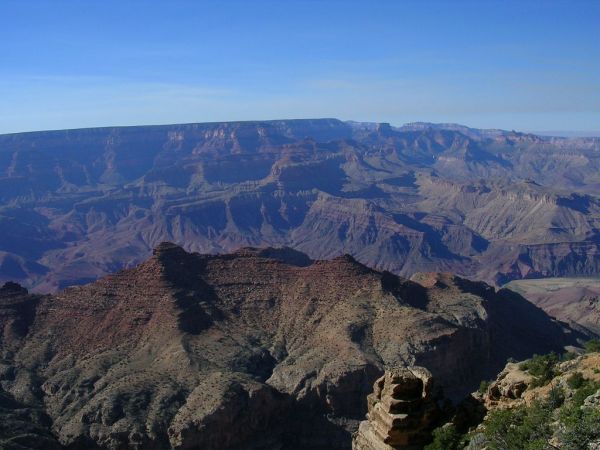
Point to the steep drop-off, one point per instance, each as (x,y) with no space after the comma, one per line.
(254,349)
(487,204)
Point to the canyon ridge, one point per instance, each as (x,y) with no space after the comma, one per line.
(260,348)
(484,204)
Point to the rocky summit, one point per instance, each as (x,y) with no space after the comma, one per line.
(486,204)
(260,348)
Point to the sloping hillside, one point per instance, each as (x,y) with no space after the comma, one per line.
(200,351)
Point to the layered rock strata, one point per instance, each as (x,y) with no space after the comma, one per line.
(76,205)
(402,412)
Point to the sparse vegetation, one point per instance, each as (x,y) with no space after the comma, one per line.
(568,356)
(588,388)
(483,386)
(579,433)
(580,425)
(526,428)
(447,438)
(592,346)
(556,397)
(576,380)
(542,367)
(557,421)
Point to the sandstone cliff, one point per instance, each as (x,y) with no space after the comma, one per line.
(402,412)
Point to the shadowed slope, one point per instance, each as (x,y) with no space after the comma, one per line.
(190,350)
(76,205)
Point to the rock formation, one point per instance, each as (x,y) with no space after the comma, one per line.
(509,385)
(514,386)
(402,412)
(78,204)
(559,411)
(261,346)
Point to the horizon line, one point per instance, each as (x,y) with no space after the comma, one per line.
(544,133)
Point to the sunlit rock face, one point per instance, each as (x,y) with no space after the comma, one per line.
(402,412)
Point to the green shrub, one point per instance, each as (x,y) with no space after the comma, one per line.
(588,388)
(576,380)
(446,438)
(572,414)
(592,346)
(483,387)
(542,367)
(578,434)
(568,356)
(526,428)
(556,398)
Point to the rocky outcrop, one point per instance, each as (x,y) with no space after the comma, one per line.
(402,412)
(509,386)
(262,346)
(557,408)
(515,386)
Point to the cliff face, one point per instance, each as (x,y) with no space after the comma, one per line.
(258,346)
(402,412)
(79,204)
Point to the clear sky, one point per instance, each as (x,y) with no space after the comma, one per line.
(526,65)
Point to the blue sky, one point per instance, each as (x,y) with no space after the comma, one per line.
(526,65)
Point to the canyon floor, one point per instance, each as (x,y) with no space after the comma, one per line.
(573,300)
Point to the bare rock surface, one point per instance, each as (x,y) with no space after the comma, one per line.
(402,411)
(510,385)
(260,348)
